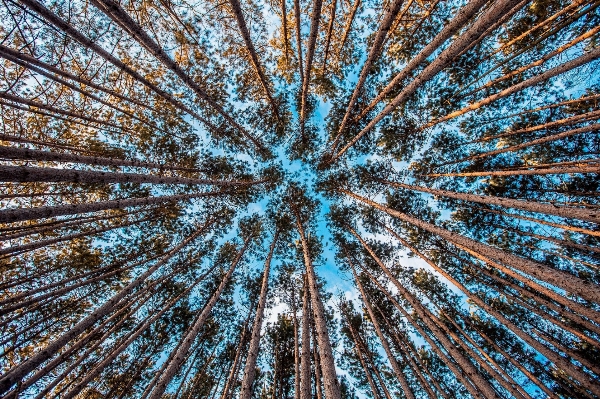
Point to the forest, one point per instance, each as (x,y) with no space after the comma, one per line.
(298,199)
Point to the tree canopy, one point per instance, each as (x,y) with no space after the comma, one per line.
(328,199)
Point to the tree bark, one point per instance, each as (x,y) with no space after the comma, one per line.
(11,54)
(241,22)
(305,390)
(374,389)
(20,249)
(89,43)
(329,31)
(38,155)
(19,215)
(348,26)
(23,174)
(567,66)
(444,59)
(588,215)
(310,52)
(140,328)
(191,335)
(458,21)
(541,140)
(250,368)
(297,14)
(332,389)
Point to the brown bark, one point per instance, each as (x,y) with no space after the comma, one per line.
(458,373)
(20,249)
(539,62)
(70,114)
(297,14)
(296,345)
(18,215)
(565,212)
(37,174)
(348,26)
(88,43)
(317,360)
(284,28)
(18,372)
(305,363)
(71,86)
(241,22)
(359,355)
(332,389)
(190,336)
(329,31)
(541,140)
(250,368)
(138,330)
(38,155)
(12,54)
(233,372)
(310,53)
(585,167)
(16,139)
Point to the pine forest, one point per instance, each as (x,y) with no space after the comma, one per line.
(298,199)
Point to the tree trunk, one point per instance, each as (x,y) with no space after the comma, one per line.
(458,373)
(34,174)
(140,328)
(582,169)
(64,26)
(391,358)
(296,345)
(191,335)
(329,31)
(38,155)
(19,215)
(348,26)
(332,389)
(305,364)
(374,389)
(297,14)
(392,10)
(284,34)
(541,140)
(558,278)
(310,52)
(19,372)
(458,21)
(241,22)
(20,249)
(70,114)
(529,206)
(250,368)
(17,139)
(231,379)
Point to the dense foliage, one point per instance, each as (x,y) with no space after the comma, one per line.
(295,199)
